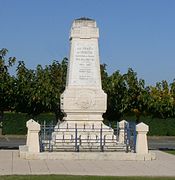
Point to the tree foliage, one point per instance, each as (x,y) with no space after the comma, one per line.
(6,82)
(34,91)
(39,90)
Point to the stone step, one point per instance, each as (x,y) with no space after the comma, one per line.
(85,147)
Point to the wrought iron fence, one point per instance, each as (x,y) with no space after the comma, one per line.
(102,143)
(130,136)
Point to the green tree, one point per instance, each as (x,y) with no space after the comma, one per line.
(172,92)
(135,92)
(104,77)
(125,94)
(39,90)
(117,94)
(25,86)
(6,83)
(161,100)
(52,83)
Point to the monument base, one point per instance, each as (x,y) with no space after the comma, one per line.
(84,136)
(24,154)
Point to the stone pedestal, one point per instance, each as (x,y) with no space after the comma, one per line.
(33,136)
(141,142)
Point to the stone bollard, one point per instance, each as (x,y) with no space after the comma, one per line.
(141,141)
(122,125)
(33,136)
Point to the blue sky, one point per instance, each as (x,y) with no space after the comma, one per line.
(137,34)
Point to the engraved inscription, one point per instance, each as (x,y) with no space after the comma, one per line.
(84,64)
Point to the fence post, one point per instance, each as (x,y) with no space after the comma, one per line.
(122,125)
(127,136)
(117,132)
(50,137)
(135,135)
(101,139)
(44,133)
(76,139)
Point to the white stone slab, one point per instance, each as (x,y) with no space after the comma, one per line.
(88,156)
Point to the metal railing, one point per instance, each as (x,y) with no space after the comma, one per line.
(77,143)
(130,136)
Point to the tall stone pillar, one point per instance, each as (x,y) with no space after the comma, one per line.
(83,100)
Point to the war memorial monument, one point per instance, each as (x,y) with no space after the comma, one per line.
(82,133)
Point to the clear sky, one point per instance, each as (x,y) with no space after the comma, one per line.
(139,34)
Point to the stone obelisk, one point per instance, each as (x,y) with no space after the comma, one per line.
(84,101)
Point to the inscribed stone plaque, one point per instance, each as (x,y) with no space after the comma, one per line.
(84,64)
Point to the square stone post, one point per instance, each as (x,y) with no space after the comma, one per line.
(122,125)
(33,136)
(141,141)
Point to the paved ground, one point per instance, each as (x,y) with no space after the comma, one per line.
(12,142)
(10,164)
(154,142)
(161,142)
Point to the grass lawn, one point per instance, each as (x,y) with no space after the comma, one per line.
(170,152)
(61,177)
